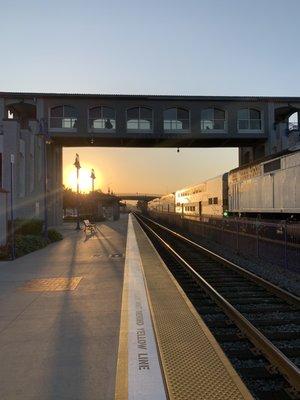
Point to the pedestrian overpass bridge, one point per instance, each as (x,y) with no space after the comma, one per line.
(149,121)
(137,196)
(33,125)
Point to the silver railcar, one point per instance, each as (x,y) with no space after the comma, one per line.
(268,188)
(207,198)
(163,204)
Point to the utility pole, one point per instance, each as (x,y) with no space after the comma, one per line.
(77,165)
(93,177)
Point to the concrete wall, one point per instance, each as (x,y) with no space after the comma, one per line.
(27,147)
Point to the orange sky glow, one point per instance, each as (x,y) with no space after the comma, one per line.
(151,170)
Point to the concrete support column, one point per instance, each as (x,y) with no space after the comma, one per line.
(271,130)
(60,183)
(232,112)
(54,199)
(40,109)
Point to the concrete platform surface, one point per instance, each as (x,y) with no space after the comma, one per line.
(59,337)
(175,356)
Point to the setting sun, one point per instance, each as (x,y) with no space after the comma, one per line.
(85,181)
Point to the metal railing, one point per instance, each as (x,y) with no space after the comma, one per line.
(277,243)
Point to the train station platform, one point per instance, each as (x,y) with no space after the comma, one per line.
(165,349)
(99,316)
(60,317)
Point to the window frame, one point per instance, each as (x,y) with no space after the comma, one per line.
(92,129)
(249,130)
(61,129)
(139,119)
(273,164)
(225,130)
(177,130)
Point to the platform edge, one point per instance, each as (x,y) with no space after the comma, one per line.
(227,364)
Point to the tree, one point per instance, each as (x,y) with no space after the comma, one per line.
(69,198)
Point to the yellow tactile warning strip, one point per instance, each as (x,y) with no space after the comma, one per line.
(194,365)
(51,284)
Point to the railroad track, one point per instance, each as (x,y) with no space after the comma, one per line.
(256,323)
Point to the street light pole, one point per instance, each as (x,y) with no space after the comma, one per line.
(77,165)
(45,186)
(12,228)
(93,177)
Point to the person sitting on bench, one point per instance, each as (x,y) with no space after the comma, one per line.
(88,225)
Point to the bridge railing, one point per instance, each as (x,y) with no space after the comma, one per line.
(293,126)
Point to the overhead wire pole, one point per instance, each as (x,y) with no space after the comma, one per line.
(77,165)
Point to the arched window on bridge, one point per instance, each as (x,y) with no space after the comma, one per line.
(213,119)
(102,118)
(176,119)
(249,119)
(293,122)
(63,117)
(140,118)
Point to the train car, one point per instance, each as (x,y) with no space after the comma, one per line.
(167,203)
(163,204)
(267,189)
(207,198)
(153,205)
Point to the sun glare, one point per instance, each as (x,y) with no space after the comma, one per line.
(85,181)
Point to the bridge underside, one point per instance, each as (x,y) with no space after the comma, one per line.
(138,198)
(157,142)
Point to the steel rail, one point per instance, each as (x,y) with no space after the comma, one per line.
(283,294)
(272,353)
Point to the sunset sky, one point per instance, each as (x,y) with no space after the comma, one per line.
(197,47)
(147,170)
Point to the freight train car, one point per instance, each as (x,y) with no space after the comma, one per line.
(267,189)
(206,198)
